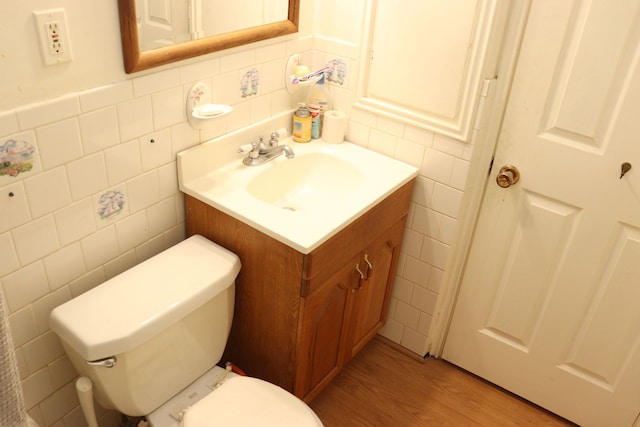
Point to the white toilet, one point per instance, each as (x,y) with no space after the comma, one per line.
(150,338)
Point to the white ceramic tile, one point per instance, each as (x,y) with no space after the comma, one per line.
(392,330)
(23,326)
(25,286)
(64,265)
(22,365)
(48,112)
(59,143)
(59,403)
(240,116)
(390,126)
(168,178)
(180,207)
(364,118)
(414,341)
(122,263)
(42,351)
(175,235)
(202,70)
(417,271)
(423,191)
(87,281)
(226,89)
(7,255)
(436,280)
(412,242)
(424,325)
(406,314)
(426,221)
(271,76)
(8,123)
(132,231)
(42,308)
(162,216)
(151,247)
(36,388)
(271,52)
(61,371)
(156,82)
(435,253)
(135,118)
(448,228)
(402,290)
(183,136)
(47,191)
(168,108)
(143,191)
(358,133)
(106,96)
(448,145)
(424,300)
(382,142)
(437,166)
(260,108)
(446,200)
(155,149)
(100,247)
(87,176)
(99,130)
(459,174)
(419,135)
(75,221)
(123,162)
(280,100)
(35,239)
(409,152)
(237,61)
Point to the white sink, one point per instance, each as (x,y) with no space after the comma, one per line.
(302,201)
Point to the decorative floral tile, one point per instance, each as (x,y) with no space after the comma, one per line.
(18,156)
(249,83)
(109,205)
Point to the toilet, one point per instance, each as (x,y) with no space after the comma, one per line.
(149,340)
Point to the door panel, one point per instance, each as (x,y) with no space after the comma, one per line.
(548,303)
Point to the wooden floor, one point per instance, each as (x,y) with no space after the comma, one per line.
(385,387)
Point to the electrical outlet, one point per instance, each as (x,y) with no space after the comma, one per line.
(54,39)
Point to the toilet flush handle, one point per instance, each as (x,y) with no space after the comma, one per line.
(107,362)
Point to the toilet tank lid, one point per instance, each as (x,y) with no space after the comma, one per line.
(132,307)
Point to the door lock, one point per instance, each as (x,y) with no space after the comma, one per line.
(508,176)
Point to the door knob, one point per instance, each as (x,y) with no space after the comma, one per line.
(508,176)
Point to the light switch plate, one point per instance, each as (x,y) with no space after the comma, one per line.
(52,32)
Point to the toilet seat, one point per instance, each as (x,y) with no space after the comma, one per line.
(245,401)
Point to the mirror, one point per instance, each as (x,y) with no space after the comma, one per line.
(138,59)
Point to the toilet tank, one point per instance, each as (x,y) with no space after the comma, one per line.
(165,322)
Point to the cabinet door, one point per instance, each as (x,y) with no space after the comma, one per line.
(322,339)
(371,300)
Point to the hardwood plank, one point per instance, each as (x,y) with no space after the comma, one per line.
(384,387)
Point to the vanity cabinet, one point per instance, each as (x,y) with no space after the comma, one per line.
(300,317)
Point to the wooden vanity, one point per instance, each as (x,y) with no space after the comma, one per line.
(299,318)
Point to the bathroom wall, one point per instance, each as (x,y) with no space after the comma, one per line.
(88,186)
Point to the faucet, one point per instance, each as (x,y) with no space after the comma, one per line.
(262,152)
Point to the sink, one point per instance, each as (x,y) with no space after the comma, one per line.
(312,181)
(302,201)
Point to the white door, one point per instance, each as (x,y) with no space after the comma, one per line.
(549,306)
(162,22)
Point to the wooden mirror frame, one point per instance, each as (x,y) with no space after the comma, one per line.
(135,60)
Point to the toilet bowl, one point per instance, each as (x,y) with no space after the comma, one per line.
(149,340)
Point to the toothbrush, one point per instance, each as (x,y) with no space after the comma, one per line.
(295,80)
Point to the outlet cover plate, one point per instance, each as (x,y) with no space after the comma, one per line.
(52,33)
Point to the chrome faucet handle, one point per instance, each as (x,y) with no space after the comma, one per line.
(273,140)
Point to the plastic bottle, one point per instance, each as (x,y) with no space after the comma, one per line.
(319,96)
(301,124)
(315,120)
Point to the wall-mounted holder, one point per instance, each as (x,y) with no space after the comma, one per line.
(199,106)
(294,80)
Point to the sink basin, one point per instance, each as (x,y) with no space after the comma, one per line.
(302,201)
(307,182)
